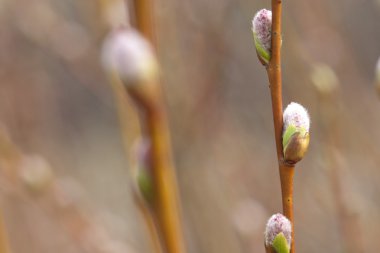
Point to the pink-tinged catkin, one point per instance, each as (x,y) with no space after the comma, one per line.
(296,115)
(278,223)
(128,54)
(262,28)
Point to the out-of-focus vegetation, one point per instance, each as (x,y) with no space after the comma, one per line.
(65,182)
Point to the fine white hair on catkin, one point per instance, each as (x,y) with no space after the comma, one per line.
(296,115)
(278,223)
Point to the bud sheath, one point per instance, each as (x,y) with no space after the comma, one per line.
(278,233)
(295,137)
(262,34)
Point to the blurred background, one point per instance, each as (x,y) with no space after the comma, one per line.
(59,124)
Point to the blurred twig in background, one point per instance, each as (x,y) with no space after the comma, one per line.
(54,100)
(131,130)
(166,202)
(327,85)
(30,179)
(144,18)
(130,62)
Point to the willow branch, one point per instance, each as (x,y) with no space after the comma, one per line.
(274,75)
(166,203)
(144,19)
(275,81)
(286,178)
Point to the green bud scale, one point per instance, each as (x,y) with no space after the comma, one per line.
(278,233)
(262,34)
(295,137)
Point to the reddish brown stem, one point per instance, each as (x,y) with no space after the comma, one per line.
(269,249)
(275,81)
(274,75)
(286,177)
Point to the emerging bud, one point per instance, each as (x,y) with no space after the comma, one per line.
(377,77)
(129,55)
(295,136)
(262,34)
(278,233)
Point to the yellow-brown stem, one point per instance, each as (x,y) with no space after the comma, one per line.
(144,19)
(275,81)
(131,131)
(166,201)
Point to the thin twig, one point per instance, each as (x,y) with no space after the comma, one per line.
(164,177)
(144,19)
(286,177)
(274,75)
(166,203)
(275,81)
(131,131)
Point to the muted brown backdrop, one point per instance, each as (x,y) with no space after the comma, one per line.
(55,101)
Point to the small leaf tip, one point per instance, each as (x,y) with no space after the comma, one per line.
(277,224)
(262,34)
(295,137)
